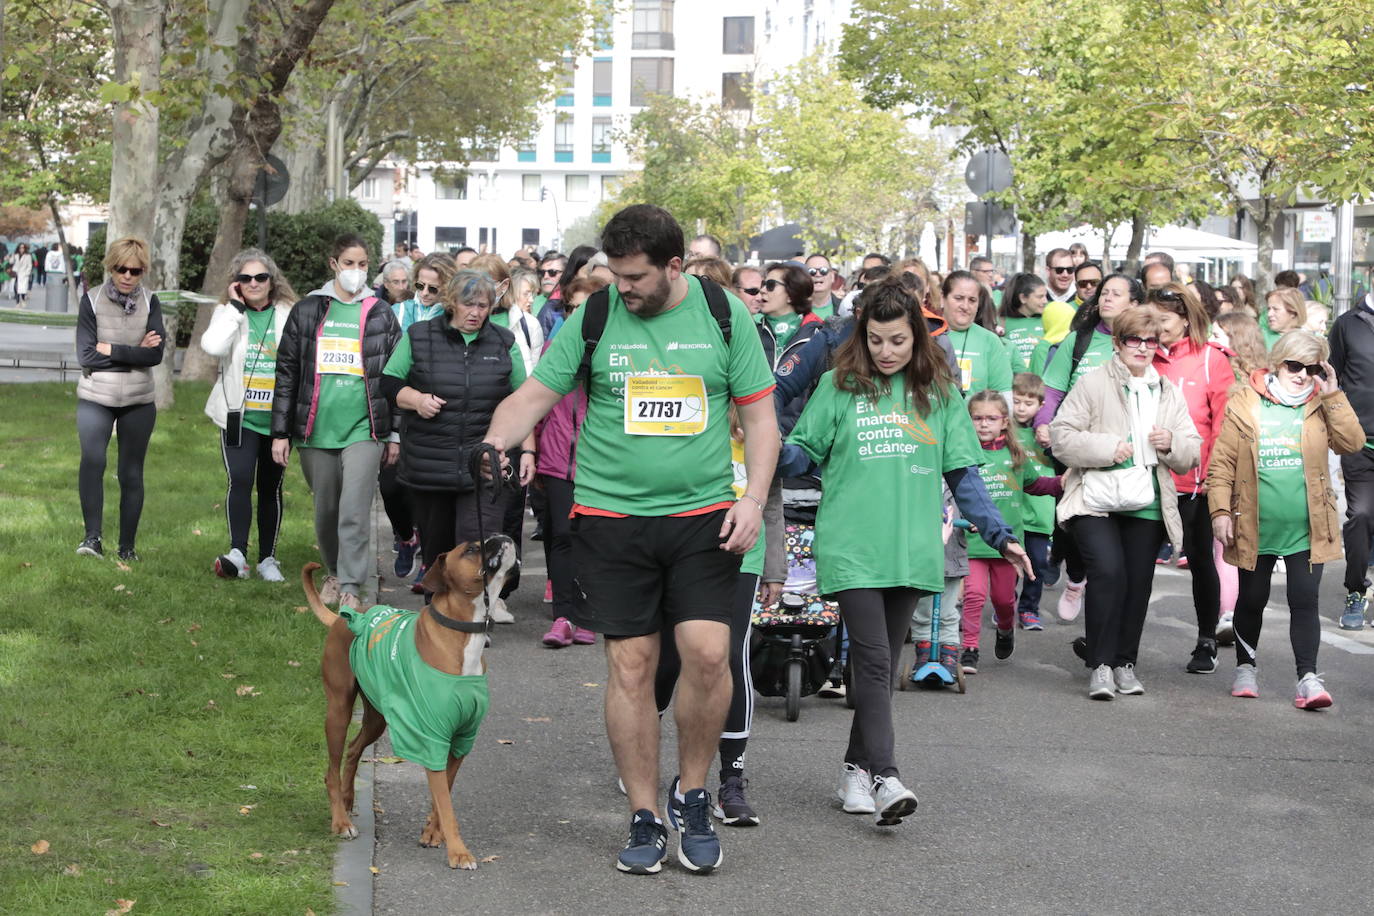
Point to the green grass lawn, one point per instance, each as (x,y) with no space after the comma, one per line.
(160,729)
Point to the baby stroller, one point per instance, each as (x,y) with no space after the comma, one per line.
(791,650)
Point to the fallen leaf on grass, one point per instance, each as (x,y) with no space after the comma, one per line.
(39,848)
(228,677)
(341,884)
(246,690)
(504,741)
(255,855)
(25,565)
(193,628)
(487,860)
(121,907)
(301,610)
(244,809)
(195,531)
(211,705)
(293,664)
(538,719)
(157,823)
(248,785)
(72,871)
(165,620)
(374,869)
(119,588)
(121,566)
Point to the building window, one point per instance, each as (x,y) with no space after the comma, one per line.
(453,237)
(601,81)
(610,186)
(563,137)
(530,186)
(603,25)
(575,188)
(735,90)
(567,76)
(601,139)
(739,35)
(650,76)
(455,188)
(369,188)
(529,238)
(653,25)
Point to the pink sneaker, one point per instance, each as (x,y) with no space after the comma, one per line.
(1071,601)
(560,634)
(1311,693)
(548,591)
(583,636)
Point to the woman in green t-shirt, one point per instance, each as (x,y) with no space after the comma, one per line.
(1023,304)
(1270,497)
(885,426)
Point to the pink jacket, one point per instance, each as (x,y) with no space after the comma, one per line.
(1204,376)
(557,435)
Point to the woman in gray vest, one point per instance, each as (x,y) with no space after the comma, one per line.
(452,371)
(118,340)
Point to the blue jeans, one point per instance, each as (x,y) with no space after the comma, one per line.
(1038,548)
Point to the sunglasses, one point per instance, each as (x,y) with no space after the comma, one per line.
(771,285)
(252,278)
(818,271)
(131,271)
(423,287)
(1141,343)
(750,290)
(1063,270)
(1088,284)
(1313,370)
(1166,295)
(551,271)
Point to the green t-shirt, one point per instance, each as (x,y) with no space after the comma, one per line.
(883,466)
(1283,523)
(983,359)
(260,370)
(1006,488)
(403,359)
(823,312)
(1039,357)
(430,714)
(667,450)
(1036,511)
(341,417)
(1023,335)
(784,328)
(1056,374)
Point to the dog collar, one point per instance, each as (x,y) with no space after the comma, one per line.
(462,626)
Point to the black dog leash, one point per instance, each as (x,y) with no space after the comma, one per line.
(489,565)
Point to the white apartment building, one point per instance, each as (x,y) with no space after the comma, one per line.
(511,198)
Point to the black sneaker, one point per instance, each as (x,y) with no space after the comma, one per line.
(698,846)
(731,809)
(90,547)
(1006,642)
(1080,648)
(969,661)
(1204,660)
(647,848)
(128,555)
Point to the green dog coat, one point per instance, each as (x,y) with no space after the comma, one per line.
(431,714)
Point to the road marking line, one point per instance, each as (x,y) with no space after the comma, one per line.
(1336,641)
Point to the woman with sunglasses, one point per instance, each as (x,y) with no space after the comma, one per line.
(1270,496)
(1121,417)
(1203,373)
(119,339)
(243,334)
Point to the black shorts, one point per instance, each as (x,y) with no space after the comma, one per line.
(635,575)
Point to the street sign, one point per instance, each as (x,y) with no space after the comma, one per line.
(982,217)
(988,172)
(1318,226)
(277,179)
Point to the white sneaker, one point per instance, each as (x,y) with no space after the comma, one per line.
(269,570)
(233,565)
(329,591)
(854,790)
(1226,630)
(498,613)
(1071,601)
(1101,685)
(893,800)
(1127,684)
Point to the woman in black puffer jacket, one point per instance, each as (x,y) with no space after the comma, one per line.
(328,400)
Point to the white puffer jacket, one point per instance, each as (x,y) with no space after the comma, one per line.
(226,337)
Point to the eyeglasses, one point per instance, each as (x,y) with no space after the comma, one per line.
(251,278)
(551,271)
(750,290)
(1140,343)
(1313,370)
(1068,269)
(771,285)
(818,271)
(1088,284)
(1166,295)
(131,271)
(423,287)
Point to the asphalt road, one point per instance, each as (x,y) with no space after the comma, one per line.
(1033,798)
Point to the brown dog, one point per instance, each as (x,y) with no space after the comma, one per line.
(440,668)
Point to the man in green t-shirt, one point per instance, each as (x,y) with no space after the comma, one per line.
(657,530)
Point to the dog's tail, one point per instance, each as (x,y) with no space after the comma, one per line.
(312,595)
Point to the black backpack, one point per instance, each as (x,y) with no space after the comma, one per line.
(597,309)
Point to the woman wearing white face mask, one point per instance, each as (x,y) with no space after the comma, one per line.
(328,399)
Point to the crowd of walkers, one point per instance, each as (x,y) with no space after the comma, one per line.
(651,405)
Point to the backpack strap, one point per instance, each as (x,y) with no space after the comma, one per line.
(719,305)
(1082,337)
(595,311)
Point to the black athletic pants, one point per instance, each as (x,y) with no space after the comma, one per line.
(1119,556)
(1304,626)
(876,620)
(1202,566)
(447,518)
(558,503)
(740,718)
(250,459)
(1358,532)
(94,425)
(396,500)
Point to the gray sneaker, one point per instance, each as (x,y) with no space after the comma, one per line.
(1127,684)
(1245,684)
(1100,683)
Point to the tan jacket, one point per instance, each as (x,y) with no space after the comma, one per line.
(1094,419)
(1233,473)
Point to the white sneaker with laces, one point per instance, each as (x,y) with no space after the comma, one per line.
(854,790)
(1071,601)
(269,570)
(1312,693)
(498,612)
(232,565)
(1101,684)
(1127,684)
(893,800)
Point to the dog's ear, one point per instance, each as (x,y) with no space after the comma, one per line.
(436,580)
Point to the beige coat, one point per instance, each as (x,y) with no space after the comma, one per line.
(1233,473)
(1094,420)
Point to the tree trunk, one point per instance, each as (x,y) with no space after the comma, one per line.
(1138,226)
(1266,215)
(163,372)
(306,166)
(1106,249)
(1027,252)
(137,42)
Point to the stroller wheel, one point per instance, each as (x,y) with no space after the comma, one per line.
(794,679)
